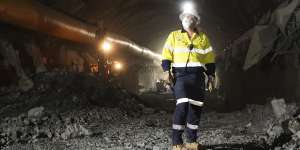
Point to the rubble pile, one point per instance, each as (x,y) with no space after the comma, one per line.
(81,111)
(256,127)
(28,129)
(61,91)
(284,132)
(272,126)
(108,127)
(60,106)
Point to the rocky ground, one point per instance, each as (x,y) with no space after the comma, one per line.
(79,112)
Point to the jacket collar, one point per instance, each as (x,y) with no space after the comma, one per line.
(184,31)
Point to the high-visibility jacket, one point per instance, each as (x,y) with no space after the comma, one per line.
(177,48)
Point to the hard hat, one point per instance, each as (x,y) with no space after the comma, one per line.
(192,12)
(188,8)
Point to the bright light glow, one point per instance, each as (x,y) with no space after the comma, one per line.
(187,6)
(143,50)
(118,66)
(106,47)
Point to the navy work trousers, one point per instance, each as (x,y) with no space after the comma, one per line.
(189,92)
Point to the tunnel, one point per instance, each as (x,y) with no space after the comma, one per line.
(89,74)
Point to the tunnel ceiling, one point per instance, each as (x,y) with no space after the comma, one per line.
(148,21)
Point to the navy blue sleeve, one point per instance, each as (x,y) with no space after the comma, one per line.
(211,69)
(166,65)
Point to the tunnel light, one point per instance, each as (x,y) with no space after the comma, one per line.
(118,66)
(106,47)
(188,5)
(134,46)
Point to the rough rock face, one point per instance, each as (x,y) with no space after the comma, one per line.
(11,57)
(264,61)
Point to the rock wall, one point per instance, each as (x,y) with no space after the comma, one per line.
(264,62)
(24,53)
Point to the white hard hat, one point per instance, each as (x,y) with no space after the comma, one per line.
(192,12)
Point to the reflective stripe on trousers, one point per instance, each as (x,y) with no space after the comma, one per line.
(182,127)
(194,102)
(186,115)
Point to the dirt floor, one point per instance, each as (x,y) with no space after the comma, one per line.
(152,131)
(79,112)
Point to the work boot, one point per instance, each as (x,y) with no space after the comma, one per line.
(192,146)
(179,147)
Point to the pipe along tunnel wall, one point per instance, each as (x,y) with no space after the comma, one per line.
(34,16)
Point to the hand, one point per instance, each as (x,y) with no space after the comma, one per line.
(168,78)
(165,76)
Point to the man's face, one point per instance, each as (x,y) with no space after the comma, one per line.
(190,17)
(189,21)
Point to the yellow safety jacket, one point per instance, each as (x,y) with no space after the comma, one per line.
(177,49)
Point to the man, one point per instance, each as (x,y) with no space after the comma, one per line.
(189,54)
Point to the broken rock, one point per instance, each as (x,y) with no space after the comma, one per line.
(75,130)
(25,84)
(294,126)
(279,109)
(273,132)
(36,112)
(148,110)
(284,12)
